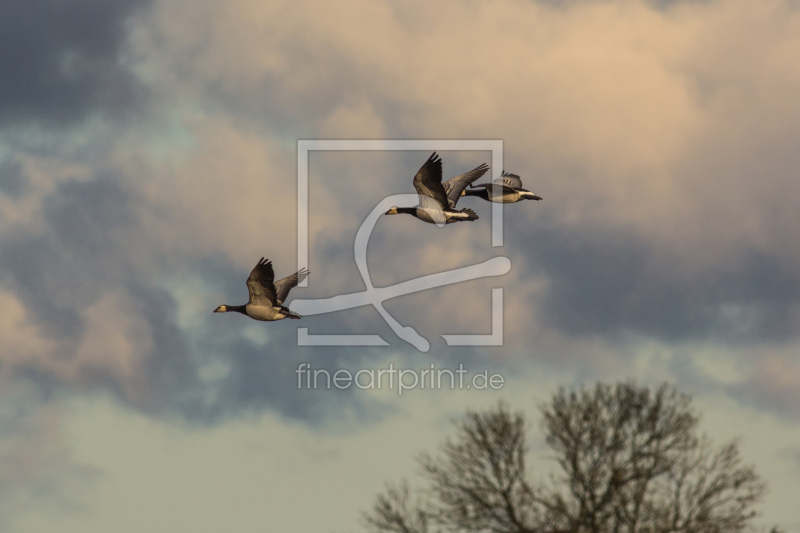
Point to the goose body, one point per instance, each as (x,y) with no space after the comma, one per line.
(507,189)
(437,200)
(435,215)
(266,296)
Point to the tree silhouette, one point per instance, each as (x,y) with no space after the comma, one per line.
(629,460)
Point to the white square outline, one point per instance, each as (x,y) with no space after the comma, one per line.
(304,146)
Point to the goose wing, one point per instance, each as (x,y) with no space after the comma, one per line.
(509,180)
(455,186)
(283,286)
(428,181)
(496,186)
(260,284)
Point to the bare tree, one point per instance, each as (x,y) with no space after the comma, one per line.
(394,512)
(630,461)
(706,492)
(479,480)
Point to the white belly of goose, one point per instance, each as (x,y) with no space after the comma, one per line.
(262,312)
(423,215)
(449,216)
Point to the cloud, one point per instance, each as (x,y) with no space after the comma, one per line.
(643,134)
(37,469)
(94,319)
(13,181)
(62,60)
(773,383)
(662,136)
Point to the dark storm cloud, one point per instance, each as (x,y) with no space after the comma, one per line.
(609,284)
(600,283)
(63,270)
(262,376)
(12,179)
(89,248)
(59,272)
(265,376)
(60,59)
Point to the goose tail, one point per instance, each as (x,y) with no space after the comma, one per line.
(290,314)
(470,214)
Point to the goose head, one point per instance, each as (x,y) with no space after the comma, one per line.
(221,309)
(391,211)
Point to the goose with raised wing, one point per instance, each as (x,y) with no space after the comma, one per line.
(437,200)
(267,296)
(507,189)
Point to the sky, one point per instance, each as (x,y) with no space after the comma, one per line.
(148,159)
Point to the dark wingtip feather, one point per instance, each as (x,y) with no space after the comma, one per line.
(471,213)
(290,313)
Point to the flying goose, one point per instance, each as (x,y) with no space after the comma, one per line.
(266,296)
(437,200)
(507,189)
